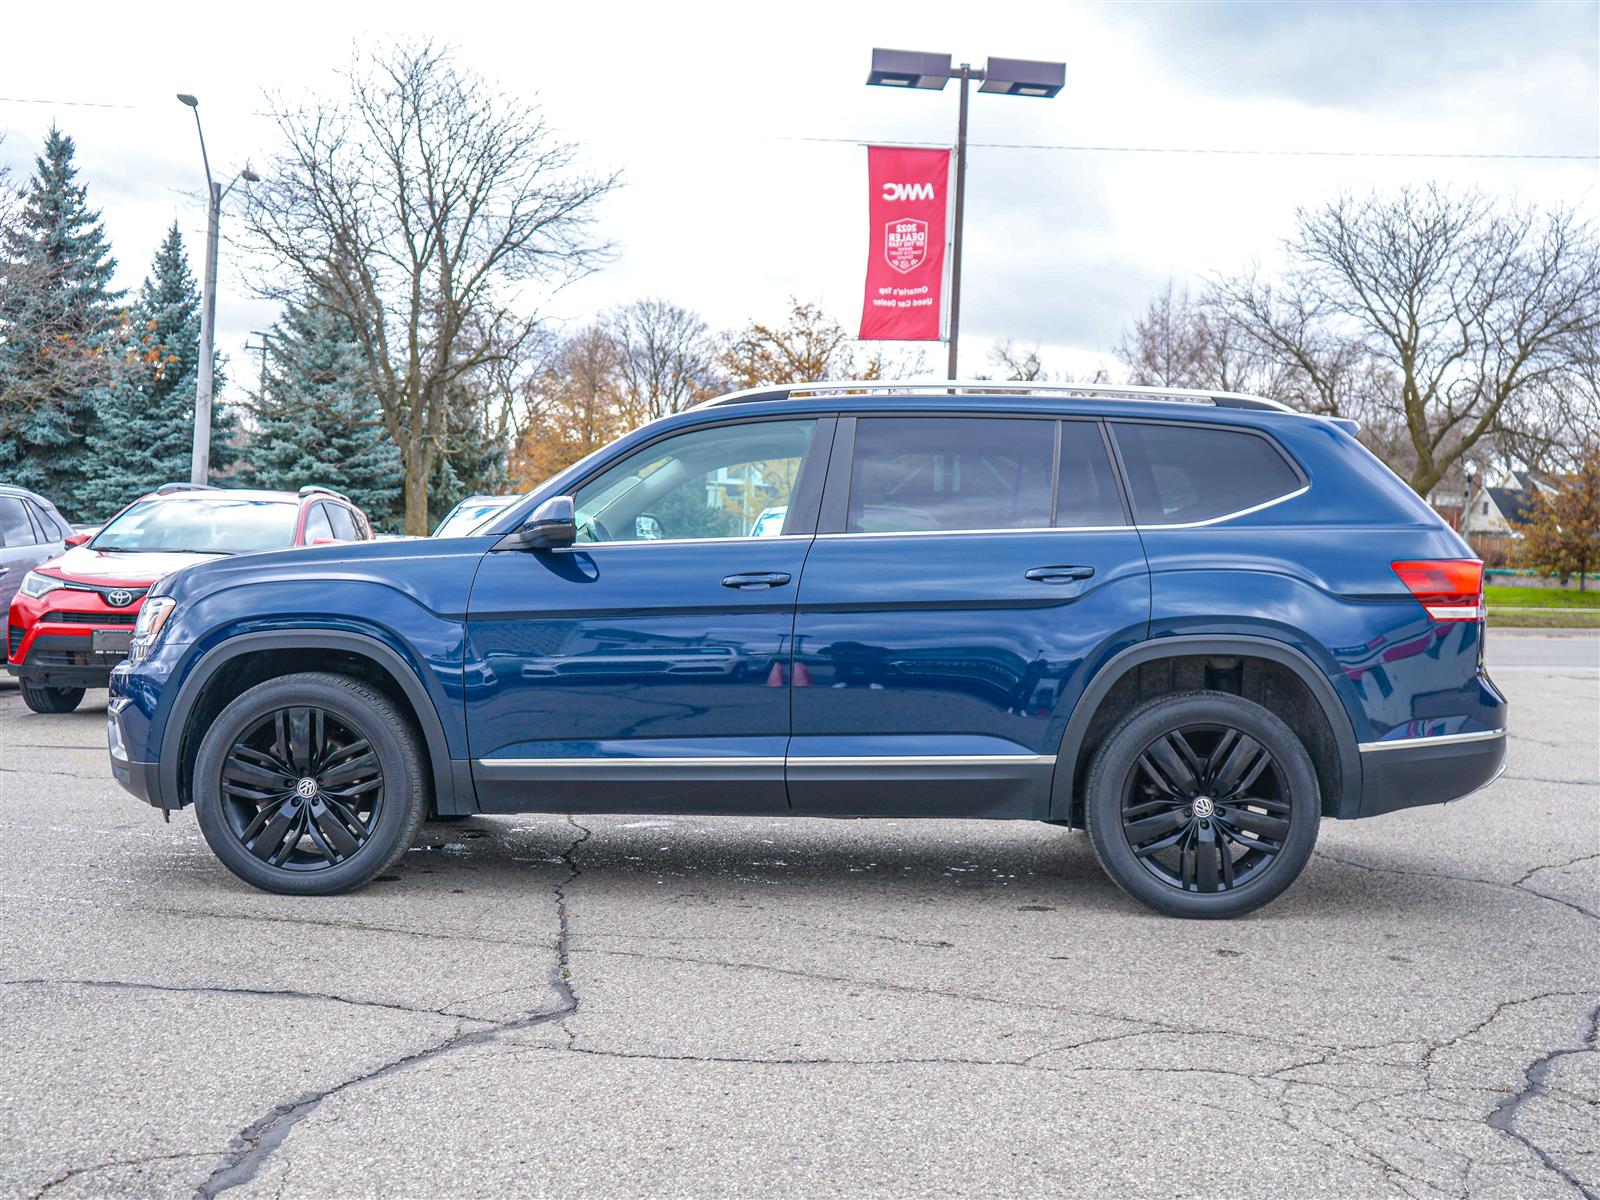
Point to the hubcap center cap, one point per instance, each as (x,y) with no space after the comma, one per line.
(1204,806)
(306,788)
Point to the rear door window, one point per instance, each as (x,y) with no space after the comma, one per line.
(344,528)
(1086,491)
(918,474)
(1178,474)
(317,525)
(15,528)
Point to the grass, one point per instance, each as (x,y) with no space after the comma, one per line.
(1549,618)
(1508,596)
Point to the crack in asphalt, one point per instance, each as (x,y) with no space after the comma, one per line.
(89,1168)
(255,993)
(257,1142)
(1504,1116)
(1494,883)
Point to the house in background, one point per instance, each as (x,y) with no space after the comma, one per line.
(1493,512)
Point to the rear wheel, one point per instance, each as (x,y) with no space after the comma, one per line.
(1202,804)
(51,699)
(310,784)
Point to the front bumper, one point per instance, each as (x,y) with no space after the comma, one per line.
(143,779)
(1428,770)
(54,660)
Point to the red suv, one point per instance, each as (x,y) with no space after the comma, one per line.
(72,618)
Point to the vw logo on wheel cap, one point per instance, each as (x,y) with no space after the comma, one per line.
(1204,806)
(119,598)
(306,788)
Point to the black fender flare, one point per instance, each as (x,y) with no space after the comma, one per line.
(452,781)
(1346,804)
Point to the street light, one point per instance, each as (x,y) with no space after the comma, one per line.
(1002,76)
(200,461)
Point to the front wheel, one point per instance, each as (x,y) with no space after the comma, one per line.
(310,784)
(51,699)
(1202,804)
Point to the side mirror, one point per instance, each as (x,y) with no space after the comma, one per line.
(552,525)
(76,539)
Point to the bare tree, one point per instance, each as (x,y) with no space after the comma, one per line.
(667,360)
(422,204)
(1443,318)
(1020,364)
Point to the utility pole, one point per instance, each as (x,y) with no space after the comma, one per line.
(915,69)
(266,344)
(200,458)
(960,214)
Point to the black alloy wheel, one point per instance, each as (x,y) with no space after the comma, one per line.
(310,784)
(1202,804)
(1203,809)
(302,789)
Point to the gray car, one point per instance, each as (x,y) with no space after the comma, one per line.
(31,531)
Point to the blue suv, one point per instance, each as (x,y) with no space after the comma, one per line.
(1194,624)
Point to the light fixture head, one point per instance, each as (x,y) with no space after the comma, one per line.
(1023,77)
(909,68)
(191,101)
(248,175)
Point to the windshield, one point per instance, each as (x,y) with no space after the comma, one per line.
(468,515)
(209,526)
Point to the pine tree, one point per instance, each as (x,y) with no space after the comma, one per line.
(316,420)
(59,328)
(143,433)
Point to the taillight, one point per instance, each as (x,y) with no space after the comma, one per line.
(1451,589)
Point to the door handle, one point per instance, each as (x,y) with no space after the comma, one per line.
(757,581)
(1059,574)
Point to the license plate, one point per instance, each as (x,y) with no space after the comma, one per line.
(112,641)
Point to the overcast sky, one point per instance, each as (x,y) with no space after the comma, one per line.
(730,206)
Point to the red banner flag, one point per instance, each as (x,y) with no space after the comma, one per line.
(907,203)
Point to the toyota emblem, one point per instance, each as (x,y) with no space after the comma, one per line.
(119,598)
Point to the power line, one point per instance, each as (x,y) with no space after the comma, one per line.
(63,103)
(1251,152)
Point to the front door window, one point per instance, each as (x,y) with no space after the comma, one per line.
(729,481)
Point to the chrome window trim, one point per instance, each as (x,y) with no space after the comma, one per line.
(880,533)
(777,537)
(1243,512)
(1443,739)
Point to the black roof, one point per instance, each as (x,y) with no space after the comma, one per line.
(1514,504)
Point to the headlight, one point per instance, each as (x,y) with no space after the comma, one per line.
(147,628)
(36,585)
(153,616)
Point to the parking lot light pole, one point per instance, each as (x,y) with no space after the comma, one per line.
(1006,76)
(200,461)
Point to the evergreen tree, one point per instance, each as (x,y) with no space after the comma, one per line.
(143,435)
(316,420)
(59,327)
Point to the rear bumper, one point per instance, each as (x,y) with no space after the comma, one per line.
(1428,770)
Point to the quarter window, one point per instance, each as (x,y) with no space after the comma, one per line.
(729,481)
(911,474)
(1183,473)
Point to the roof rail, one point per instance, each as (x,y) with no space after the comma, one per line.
(979,387)
(166,489)
(315,489)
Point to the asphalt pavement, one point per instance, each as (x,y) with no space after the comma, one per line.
(631,1006)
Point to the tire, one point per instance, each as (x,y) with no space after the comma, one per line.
(1164,812)
(51,699)
(310,784)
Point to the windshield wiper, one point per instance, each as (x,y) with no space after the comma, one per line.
(186,550)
